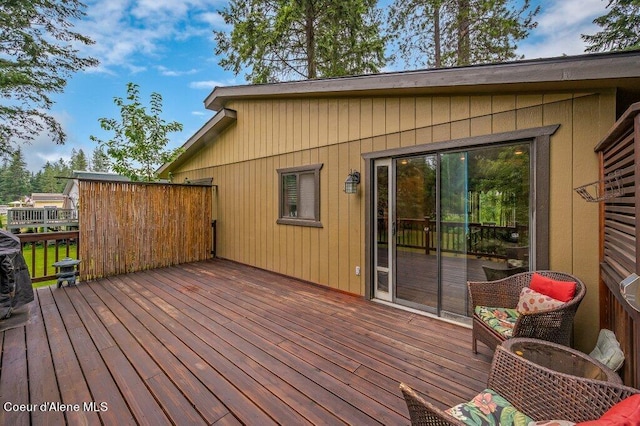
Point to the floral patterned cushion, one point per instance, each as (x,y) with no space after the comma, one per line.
(531,301)
(501,320)
(489,408)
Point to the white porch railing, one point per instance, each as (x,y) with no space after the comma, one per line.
(47,217)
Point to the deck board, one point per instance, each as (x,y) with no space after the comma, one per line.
(41,365)
(220,343)
(65,362)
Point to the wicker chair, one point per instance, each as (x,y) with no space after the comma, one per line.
(553,325)
(494,274)
(539,392)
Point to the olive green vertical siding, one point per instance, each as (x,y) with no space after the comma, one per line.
(272,134)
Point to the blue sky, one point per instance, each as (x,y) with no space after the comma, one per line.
(167,46)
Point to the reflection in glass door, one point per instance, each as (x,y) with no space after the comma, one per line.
(449,217)
(416,236)
(454,231)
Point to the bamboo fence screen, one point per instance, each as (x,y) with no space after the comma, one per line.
(131,226)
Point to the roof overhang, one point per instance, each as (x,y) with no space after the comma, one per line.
(620,127)
(207,133)
(619,69)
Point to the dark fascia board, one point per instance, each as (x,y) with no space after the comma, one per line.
(216,125)
(583,71)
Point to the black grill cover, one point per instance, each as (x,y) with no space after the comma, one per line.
(15,282)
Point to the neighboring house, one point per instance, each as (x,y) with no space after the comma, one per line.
(41,210)
(71,188)
(45,199)
(458,168)
(14,204)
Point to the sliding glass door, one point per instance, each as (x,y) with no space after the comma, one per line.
(444,218)
(455,264)
(416,254)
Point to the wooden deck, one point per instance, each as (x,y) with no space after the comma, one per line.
(220,343)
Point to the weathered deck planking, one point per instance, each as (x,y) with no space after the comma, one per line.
(220,343)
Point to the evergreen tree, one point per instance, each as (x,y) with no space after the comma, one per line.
(620,27)
(99,160)
(79,161)
(3,177)
(138,146)
(281,40)
(443,33)
(15,181)
(38,53)
(47,179)
(61,169)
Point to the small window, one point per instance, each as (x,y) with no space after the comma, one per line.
(300,195)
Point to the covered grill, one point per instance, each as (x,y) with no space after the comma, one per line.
(15,282)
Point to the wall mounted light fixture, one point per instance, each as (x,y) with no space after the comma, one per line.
(351,182)
(630,290)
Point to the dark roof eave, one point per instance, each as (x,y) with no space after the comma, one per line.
(216,125)
(591,69)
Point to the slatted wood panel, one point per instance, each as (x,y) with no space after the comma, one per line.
(127,226)
(215,342)
(619,245)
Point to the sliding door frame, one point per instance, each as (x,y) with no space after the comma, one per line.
(538,137)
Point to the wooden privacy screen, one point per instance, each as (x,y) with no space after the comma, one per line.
(620,241)
(131,226)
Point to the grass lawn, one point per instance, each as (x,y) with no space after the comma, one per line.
(48,269)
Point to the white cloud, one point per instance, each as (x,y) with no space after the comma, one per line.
(215,20)
(124,30)
(560,24)
(198,113)
(209,84)
(41,149)
(173,73)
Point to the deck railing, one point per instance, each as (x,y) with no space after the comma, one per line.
(457,237)
(46,217)
(42,250)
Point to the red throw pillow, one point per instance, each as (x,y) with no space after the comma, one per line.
(559,290)
(624,413)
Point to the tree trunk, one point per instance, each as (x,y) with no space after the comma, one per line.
(437,36)
(311,42)
(464,54)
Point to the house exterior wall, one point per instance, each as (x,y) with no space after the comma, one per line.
(280,133)
(48,203)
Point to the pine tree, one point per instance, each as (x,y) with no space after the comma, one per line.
(443,33)
(620,28)
(4,199)
(15,181)
(280,40)
(78,161)
(47,179)
(99,160)
(38,53)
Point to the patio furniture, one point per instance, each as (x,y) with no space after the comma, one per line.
(494,274)
(518,256)
(553,324)
(536,391)
(608,351)
(561,358)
